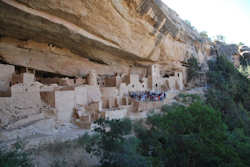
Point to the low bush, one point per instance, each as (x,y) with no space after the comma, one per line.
(229,92)
(58,163)
(193,136)
(188,98)
(227,83)
(193,68)
(114,145)
(15,157)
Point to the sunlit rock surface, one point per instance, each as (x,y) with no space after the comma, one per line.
(83,58)
(113,34)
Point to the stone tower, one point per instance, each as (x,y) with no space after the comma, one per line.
(154,77)
(92,79)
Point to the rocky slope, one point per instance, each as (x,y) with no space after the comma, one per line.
(72,37)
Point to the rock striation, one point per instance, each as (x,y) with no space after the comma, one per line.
(110,35)
(65,64)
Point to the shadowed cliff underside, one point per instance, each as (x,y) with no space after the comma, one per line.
(112,34)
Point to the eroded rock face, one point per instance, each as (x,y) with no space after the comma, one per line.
(233,52)
(244,51)
(224,49)
(113,34)
(106,48)
(44,57)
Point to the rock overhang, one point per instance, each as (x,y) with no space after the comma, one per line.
(112,33)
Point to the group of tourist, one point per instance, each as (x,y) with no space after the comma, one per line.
(148,96)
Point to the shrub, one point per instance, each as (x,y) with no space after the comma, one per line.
(204,35)
(220,38)
(188,98)
(58,163)
(193,68)
(193,136)
(112,146)
(225,77)
(245,62)
(58,147)
(16,157)
(229,92)
(83,140)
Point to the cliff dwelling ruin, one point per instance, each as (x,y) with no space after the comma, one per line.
(24,93)
(65,64)
(113,82)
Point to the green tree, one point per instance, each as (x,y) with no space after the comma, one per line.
(188,22)
(113,147)
(232,86)
(193,136)
(220,38)
(229,92)
(241,43)
(190,25)
(193,68)
(204,34)
(15,157)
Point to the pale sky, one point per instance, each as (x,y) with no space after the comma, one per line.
(230,18)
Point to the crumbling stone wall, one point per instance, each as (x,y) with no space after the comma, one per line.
(6,72)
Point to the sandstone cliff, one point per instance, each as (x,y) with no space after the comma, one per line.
(73,37)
